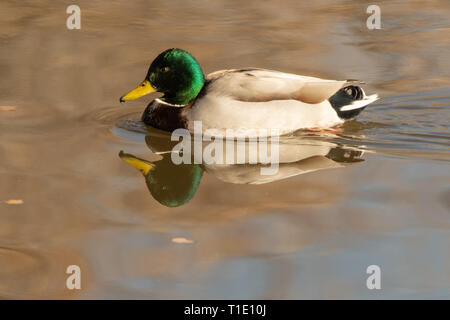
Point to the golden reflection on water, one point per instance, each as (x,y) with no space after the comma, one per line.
(307,236)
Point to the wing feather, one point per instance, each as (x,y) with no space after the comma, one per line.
(258,85)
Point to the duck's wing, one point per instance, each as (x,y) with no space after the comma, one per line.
(258,85)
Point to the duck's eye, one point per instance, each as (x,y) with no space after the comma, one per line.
(164,69)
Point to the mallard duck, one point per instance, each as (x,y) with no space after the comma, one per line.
(243,99)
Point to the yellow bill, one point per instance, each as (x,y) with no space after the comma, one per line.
(143,166)
(144,88)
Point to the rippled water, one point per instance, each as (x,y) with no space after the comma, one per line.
(374,192)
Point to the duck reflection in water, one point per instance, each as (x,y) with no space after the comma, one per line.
(174,185)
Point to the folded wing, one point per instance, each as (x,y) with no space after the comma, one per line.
(258,85)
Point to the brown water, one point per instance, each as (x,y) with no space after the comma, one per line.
(383,198)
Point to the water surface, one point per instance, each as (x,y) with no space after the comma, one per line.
(375,192)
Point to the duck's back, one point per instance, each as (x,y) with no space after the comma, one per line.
(259,85)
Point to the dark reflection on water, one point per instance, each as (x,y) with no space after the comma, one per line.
(173,184)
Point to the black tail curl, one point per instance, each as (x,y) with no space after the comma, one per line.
(355,92)
(344,97)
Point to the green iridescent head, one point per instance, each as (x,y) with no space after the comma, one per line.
(174,72)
